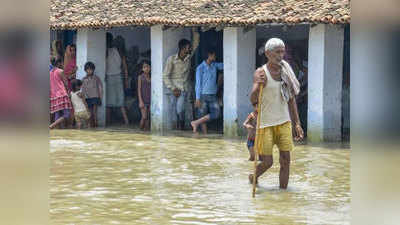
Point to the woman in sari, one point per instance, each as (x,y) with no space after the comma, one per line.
(70,64)
(70,73)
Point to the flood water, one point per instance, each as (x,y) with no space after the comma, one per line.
(126,177)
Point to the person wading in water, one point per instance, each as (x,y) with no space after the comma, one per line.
(278,106)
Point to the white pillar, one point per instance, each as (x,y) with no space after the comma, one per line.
(163,44)
(239,66)
(91,46)
(325,74)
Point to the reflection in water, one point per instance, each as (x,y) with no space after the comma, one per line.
(125,177)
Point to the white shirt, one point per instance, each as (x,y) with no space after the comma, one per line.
(77,102)
(274,108)
(113,62)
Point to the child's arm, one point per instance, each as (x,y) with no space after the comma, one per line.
(99,87)
(247,124)
(139,91)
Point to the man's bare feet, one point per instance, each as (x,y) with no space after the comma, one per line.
(251,179)
(194,125)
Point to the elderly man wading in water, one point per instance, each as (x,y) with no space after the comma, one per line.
(278,106)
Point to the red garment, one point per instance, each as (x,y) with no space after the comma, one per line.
(69,66)
(59,98)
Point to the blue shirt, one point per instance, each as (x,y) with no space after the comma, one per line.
(206,78)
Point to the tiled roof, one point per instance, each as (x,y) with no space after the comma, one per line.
(72,14)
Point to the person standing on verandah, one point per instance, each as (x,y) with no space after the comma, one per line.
(278,107)
(70,69)
(116,78)
(60,103)
(176,77)
(206,91)
(144,94)
(92,89)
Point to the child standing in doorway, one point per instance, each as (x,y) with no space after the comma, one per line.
(144,94)
(251,125)
(92,90)
(79,103)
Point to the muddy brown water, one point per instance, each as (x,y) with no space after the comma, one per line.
(127,177)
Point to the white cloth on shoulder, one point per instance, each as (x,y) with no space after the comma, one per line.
(290,84)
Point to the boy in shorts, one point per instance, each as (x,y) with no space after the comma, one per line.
(251,125)
(92,89)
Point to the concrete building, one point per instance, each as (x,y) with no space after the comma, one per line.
(315,28)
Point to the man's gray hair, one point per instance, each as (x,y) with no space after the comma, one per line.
(274,43)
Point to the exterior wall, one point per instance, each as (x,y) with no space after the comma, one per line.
(325,83)
(325,75)
(163,44)
(91,46)
(158,98)
(239,66)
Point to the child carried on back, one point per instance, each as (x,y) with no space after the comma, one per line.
(251,125)
(79,103)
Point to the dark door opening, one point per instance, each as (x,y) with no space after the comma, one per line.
(212,39)
(346,86)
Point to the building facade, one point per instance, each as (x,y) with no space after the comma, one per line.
(316,29)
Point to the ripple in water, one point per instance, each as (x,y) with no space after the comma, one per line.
(125,178)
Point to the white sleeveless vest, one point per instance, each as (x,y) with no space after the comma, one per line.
(274,109)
